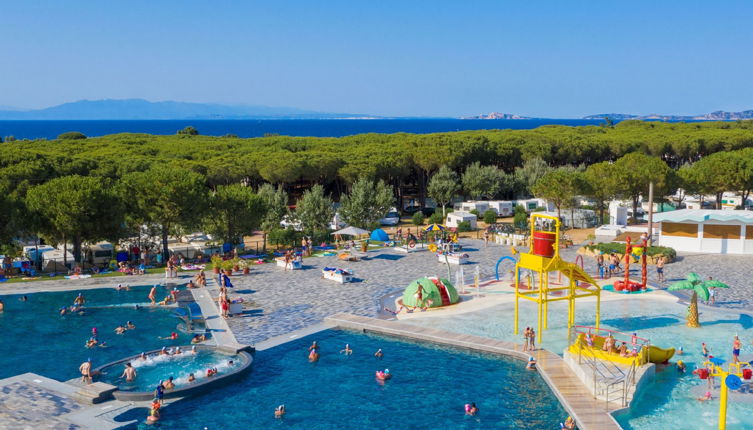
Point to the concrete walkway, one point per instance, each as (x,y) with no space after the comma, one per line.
(221,333)
(589,413)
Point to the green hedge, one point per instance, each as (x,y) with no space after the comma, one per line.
(464,226)
(418,218)
(619,248)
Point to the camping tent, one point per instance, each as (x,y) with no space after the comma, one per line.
(379,235)
(439,290)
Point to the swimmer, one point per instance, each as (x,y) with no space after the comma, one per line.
(379,353)
(86,371)
(79,300)
(178,351)
(280,411)
(230,363)
(137,307)
(193,350)
(679,351)
(313,356)
(91,343)
(153,413)
(471,409)
(705,397)
(191,378)
(152,295)
(2,306)
(531,365)
(569,424)
(63,311)
(130,326)
(120,329)
(142,357)
(169,384)
(163,351)
(24,299)
(173,336)
(129,373)
(119,287)
(313,346)
(680,366)
(103,344)
(94,331)
(198,338)
(347,350)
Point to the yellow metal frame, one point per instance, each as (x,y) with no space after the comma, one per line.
(543,266)
(718,371)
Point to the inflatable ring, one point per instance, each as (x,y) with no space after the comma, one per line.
(412,243)
(432,247)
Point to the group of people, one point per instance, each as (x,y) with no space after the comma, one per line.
(121,329)
(529,339)
(171,297)
(307,246)
(292,256)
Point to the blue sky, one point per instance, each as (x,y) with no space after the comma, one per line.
(426,58)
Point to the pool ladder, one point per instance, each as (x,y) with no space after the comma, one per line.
(610,379)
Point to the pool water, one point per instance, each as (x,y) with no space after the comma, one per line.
(428,390)
(668,400)
(37,339)
(158,368)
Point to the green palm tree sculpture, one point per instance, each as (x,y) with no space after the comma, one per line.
(700,288)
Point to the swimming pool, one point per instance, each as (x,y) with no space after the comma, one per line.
(51,345)
(664,403)
(428,390)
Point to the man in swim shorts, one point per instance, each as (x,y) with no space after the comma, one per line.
(736,345)
(660,268)
(86,371)
(129,373)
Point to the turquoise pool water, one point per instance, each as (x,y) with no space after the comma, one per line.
(429,389)
(157,368)
(37,339)
(670,400)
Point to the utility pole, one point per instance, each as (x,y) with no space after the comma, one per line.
(650,213)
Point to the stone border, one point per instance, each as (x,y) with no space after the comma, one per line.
(193,389)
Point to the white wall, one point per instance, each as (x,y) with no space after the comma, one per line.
(714,246)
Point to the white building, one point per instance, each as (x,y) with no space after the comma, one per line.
(712,231)
(455,218)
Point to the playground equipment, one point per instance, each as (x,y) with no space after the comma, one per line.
(544,258)
(589,341)
(730,380)
(429,292)
(630,251)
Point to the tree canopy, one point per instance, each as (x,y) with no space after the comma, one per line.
(367,202)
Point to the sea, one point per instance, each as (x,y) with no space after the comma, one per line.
(50,129)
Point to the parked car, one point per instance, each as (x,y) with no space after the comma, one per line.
(392,218)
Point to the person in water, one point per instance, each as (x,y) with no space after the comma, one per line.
(313,356)
(79,300)
(313,346)
(129,373)
(471,409)
(142,357)
(120,329)
(705,397)
(280,412)
(130,325)
(681,366)
(25,299)
(169,384)
(163,351)
(191,378)
(569,424)
(91,343)
(159,392)
(152,295)
(531,363)
(379,353)
(173,336)
(704,350)
(347,350)
(86,371)
(2,306)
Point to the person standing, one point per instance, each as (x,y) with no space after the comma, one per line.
(86,371)
(712,295)
(532,339)
(736,345)
(600,264)
(526,333)
(660,268)
(486,237)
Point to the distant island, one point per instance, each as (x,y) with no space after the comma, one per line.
(713,116)
(135,109)
(496,115)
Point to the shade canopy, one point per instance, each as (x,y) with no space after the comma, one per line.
(435,227)
(351,231)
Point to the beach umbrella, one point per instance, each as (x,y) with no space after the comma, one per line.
(351,231)
(435,227)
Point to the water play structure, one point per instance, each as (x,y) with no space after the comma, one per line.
(434,292)
(589,341)
(631,252)
(542,259)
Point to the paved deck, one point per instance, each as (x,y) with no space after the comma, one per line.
(205,297)
(589,413)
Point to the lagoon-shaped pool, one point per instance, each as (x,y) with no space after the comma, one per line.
(428,390)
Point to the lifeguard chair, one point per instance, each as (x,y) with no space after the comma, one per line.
(543,258)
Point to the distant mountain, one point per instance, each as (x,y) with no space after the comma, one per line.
(713,116)
(143,109)
(496,115)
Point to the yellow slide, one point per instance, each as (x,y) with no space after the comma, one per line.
(659,355)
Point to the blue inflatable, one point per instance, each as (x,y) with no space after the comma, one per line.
(379,235)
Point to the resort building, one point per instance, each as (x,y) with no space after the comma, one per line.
(713,231)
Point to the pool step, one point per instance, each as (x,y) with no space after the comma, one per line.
(97,392)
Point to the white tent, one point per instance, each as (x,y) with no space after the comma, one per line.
(351,231)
